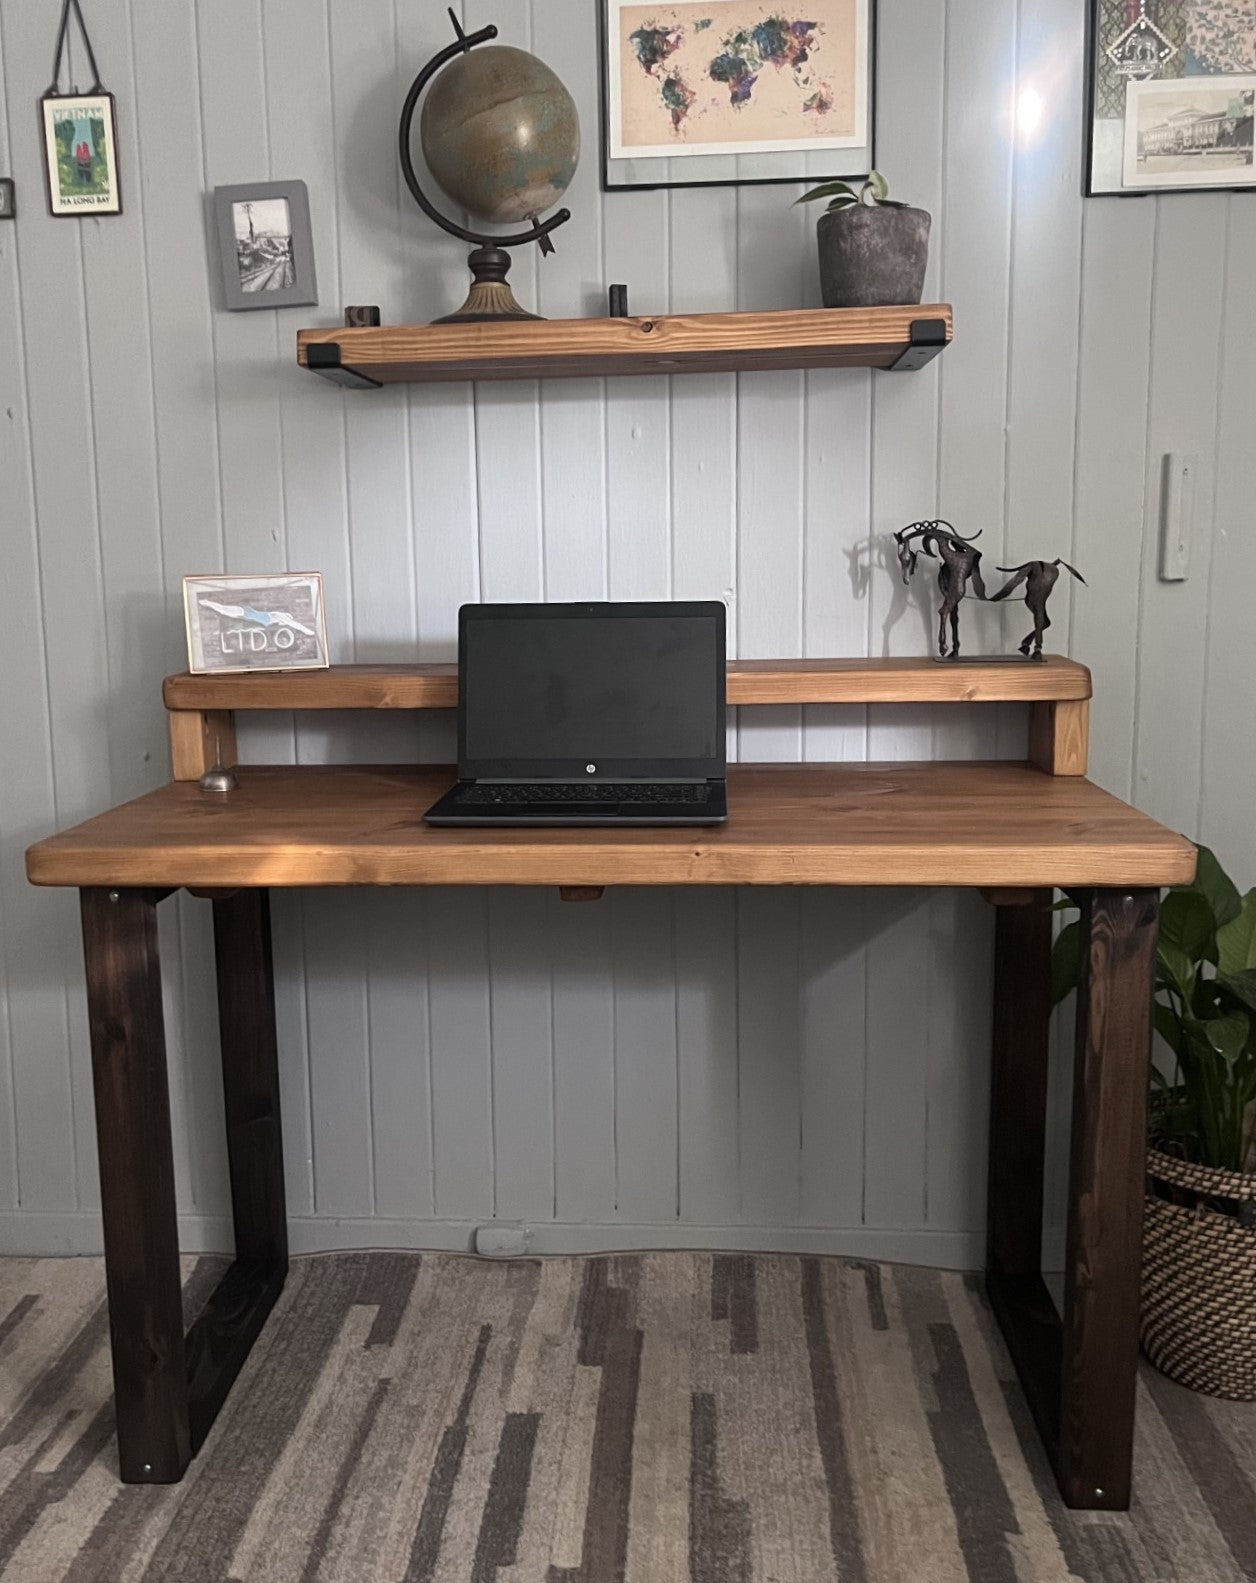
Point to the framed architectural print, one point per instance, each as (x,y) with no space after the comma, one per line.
(1172,84)
(267,623)
(700,93)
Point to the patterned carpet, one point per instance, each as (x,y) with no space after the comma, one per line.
(654,1419)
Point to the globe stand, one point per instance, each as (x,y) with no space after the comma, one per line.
(490,298)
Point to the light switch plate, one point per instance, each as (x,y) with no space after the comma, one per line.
(1177,515)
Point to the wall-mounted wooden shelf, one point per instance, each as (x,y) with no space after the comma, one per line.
(903,338)
(1058,692)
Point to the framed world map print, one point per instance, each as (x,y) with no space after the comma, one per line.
(724,92)
(1172,84)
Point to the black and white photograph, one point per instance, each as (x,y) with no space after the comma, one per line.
(261,623)
(1190,132)
(263,232)
(265,244)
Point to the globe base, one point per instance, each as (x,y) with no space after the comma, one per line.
(490,296)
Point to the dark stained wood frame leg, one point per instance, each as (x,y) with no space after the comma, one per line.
(168,1387)
(1079,1373)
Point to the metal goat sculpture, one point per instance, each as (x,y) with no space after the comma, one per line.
(1039,578)
(960,565)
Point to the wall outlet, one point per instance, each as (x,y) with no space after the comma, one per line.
(1177,515)
(502,1242)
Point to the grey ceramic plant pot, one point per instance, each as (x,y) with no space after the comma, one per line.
(872,257)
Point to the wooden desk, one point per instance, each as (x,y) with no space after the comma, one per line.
(1011,829)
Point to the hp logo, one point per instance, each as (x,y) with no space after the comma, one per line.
(591,769)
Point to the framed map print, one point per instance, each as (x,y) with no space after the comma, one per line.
(1172,89)
(722,92)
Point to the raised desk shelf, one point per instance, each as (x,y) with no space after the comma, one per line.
(903,338)
(1057,691)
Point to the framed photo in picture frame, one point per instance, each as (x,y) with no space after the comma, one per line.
(1171,86)
(701,93)
(263,623)
(265,245)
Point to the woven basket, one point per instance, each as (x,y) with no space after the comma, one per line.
(1199,1278)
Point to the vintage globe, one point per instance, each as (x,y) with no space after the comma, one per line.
(500,134)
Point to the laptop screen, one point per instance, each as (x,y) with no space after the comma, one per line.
(630,689)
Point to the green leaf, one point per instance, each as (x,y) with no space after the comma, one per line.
(1241,986)
(1178,968)
(880,187)
(1236,938)
(1187,922)
(838,204)
(1065,961)
(1217,888)
(829,189)
(1228,1036)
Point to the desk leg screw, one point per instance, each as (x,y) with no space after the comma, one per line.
(113,895)
(1098,1495)
(148,1467)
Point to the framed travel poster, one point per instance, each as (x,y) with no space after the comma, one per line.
(80,154)
(1172,84)
(722,92)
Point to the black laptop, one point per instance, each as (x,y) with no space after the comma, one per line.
(591,714)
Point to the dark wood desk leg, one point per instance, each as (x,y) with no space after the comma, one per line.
(1106,1185)
(137,1183)
(220,1339)
(1018,1113)
(250,1075)
(1018,1100)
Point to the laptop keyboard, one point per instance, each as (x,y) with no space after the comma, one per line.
(586,793)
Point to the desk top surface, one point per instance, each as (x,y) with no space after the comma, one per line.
(969,824)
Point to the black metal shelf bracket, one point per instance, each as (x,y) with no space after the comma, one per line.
(928,337)
(323,358)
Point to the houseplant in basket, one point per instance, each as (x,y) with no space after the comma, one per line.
(1199,1256)
(873,249)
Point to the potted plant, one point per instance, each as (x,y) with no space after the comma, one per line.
(873,250)
(1198,1315)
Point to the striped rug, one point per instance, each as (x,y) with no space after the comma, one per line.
(666,1418)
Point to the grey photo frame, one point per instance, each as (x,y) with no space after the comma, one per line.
(272,265)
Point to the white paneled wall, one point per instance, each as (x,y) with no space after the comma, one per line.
(753,1069)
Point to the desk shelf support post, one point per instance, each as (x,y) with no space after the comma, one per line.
(199,740)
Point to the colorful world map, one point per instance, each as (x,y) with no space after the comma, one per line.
(736,60)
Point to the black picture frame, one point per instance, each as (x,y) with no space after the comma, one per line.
(61,207)
(801,176)
(1091,188)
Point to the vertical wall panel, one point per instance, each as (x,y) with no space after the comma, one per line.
(74,639)
(1229,724)
(1182,416)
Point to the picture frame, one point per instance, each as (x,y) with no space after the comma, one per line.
(79,138)
(268,622)
(754,106)
(8,198)
(1170,89)
(265,245)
